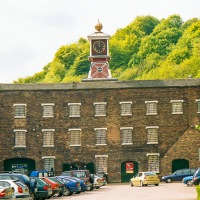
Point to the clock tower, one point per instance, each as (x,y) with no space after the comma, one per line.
(99,55)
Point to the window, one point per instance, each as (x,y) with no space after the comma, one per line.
(151,107)
(177,106)
(48,137)
(126,135)
(74,109)
(198,105)
(75,137)
(20,110)
(48,110)
(152,134)
(20,138)
(101,163)
(153,162)
(100,109)
(101,136)
(48,162)
(126,108)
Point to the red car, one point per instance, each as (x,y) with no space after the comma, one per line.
(54,185)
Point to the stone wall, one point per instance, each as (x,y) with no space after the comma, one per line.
(177,137)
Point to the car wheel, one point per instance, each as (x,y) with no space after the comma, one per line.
(141,183)
(189,183)
(168,180)
(67,192)
(156,184)
(33,196)
(131,184)
(198,183)
(60,194)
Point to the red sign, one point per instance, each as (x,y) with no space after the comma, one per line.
(129,167)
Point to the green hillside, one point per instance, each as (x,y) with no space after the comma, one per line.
(146,49)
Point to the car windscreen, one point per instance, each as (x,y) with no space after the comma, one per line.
(80,174)
(66,174)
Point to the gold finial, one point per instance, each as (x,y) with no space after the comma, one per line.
(98,26)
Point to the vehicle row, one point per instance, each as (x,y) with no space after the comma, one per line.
(189,176)
(39,185)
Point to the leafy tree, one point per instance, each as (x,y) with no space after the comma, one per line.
(55,74)
(147,48)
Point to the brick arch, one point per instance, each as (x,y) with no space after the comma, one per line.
(126,175)
(179,164)
(23,165)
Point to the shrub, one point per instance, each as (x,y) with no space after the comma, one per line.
(198,192)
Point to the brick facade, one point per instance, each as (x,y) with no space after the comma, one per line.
(177,137)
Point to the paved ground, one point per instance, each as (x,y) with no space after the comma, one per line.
(170,191)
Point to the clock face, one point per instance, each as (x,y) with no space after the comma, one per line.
(99,46)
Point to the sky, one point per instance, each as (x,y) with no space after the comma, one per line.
(31,31)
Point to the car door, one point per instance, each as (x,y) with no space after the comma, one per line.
(178,175)
(137,178)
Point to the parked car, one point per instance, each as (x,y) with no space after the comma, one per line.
(72,186)
(144,179)
(38,173)
(54,185)
(178,175)
(81,174)
(7,192)
(196,177)
(83,183)
(44,190)
(97,181)
(188,180)
(61,186)
(20,189)
(32,185)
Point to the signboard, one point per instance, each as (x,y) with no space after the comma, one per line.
(20,168)
(129,167)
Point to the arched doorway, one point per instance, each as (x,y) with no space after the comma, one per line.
(128,170)
(21,165)
(79,165)
(179,164)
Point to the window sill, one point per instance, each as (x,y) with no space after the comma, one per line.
(100,115)
(74,116)
(152,142)
(19,117)
(151,113)
(127,143)
(177,113)
(48,145)
(19,146)
(48,116)
(126,114)
(100,144)
(75,145)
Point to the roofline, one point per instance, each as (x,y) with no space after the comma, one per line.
(135,84)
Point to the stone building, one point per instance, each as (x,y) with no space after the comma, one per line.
(106,126)
(101,124)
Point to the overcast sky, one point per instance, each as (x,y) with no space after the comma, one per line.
(31,31)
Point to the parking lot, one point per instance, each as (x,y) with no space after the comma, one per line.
(165,191)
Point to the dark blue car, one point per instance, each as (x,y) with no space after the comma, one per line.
(178,175)
(71,186)
(83,183)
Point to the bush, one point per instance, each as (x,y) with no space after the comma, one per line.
(198,192)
